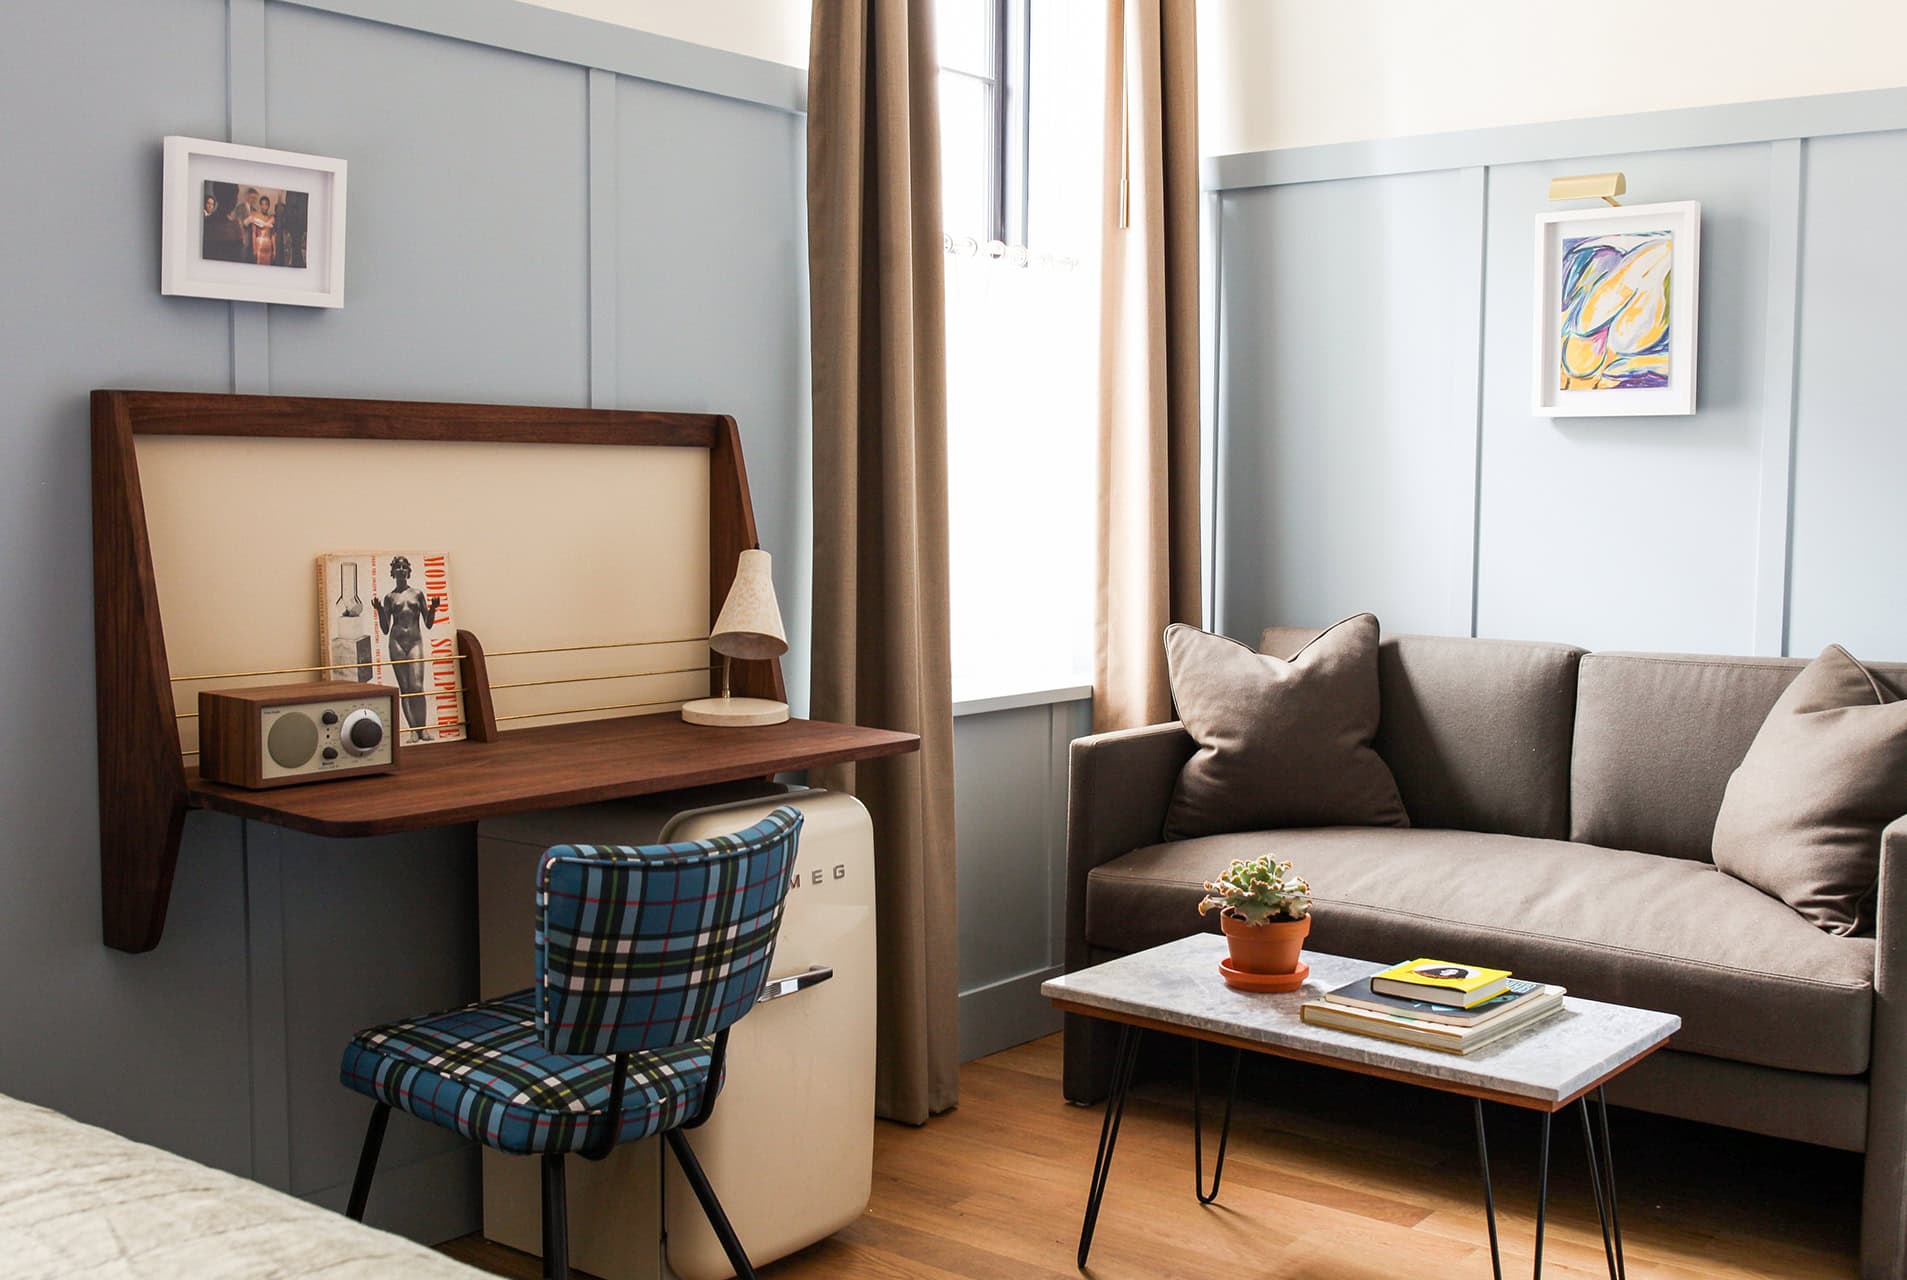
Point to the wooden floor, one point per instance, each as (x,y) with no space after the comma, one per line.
(1329,1177)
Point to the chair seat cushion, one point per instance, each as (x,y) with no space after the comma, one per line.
(483,1072)
(1751,980)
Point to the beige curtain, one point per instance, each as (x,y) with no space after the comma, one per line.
(1149,359)
(880,502)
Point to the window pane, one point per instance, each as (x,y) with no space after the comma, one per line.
(965,33)
(966,136)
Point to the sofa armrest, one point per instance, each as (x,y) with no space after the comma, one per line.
(1890,952)
(1884,1197)
(1117,794)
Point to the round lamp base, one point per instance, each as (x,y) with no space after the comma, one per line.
(734,712)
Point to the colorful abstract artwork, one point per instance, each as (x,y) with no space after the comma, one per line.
(1615,311)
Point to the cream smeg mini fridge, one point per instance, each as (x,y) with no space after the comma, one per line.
(790,1147)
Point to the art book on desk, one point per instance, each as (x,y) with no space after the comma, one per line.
(386,617)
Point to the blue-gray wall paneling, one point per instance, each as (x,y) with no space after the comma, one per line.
(712,304)
(468,253)
(1628,533)
(154,1045)
(1348,386)
(1850,521)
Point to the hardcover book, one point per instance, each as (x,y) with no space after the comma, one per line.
(386,617)
(1442,982)
(1433,1035)
(1359,995)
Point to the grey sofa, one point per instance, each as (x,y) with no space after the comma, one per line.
(1562,804)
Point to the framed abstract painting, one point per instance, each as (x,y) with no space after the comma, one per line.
(1616,303)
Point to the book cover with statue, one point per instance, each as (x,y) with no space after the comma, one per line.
(385,617)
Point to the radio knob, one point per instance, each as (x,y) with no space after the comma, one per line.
(329,717)
(362,732)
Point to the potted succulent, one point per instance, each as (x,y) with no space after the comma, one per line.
(1265,912)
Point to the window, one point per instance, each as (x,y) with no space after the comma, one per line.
(983,103)
(1021,139)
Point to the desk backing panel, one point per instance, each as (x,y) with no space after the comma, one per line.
(548,544)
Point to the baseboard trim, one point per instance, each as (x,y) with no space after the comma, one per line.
(1005,1013)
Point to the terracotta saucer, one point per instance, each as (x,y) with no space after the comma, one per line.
(1239,980)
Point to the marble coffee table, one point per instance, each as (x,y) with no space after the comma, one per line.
(1559,1060)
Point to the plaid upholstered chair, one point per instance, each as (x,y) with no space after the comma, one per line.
(644,959)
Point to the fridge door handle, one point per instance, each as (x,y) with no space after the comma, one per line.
(780,987)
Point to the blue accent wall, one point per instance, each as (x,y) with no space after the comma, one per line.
(543,210)
(1372,375)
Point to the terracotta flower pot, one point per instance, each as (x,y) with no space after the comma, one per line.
(1271,947)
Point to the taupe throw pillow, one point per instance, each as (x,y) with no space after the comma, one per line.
(1280,744)
(1802,816)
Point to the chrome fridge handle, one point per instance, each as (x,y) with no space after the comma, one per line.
(779,987)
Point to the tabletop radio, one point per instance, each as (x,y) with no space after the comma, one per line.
(290,733)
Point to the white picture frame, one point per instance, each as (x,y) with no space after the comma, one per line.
(287,247)
(1626,371)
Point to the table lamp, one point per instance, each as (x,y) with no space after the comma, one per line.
(749,627)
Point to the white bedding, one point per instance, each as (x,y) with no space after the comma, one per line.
(79,1203)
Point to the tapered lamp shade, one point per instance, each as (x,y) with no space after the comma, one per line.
(750,622)
(749,628)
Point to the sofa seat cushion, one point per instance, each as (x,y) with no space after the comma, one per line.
(1752,981)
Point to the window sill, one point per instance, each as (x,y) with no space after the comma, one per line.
(1027,698)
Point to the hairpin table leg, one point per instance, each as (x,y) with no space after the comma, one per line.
(1123,1060)
(1609,1181)
(1198,1127)
(1489,1195)
(1596,1186)
(1542,1196)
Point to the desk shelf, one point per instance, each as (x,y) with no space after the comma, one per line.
(547,768)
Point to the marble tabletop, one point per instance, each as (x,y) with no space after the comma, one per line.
(1178,984)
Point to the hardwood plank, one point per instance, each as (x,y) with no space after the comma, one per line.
(549,767)
(1329,1176)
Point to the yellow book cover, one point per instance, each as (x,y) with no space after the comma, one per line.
(1458,984)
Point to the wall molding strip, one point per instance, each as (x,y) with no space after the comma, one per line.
(605,177)
(585,42)
(1823,115)
(247,120)
(1466,583)
(1218,496)
(1211,334)
(1775,506)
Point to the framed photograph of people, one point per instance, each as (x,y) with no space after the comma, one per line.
(252,224)
(1616,307)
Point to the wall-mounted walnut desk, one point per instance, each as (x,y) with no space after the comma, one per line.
(548,768)
(146,786)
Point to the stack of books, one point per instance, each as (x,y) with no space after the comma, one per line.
(1458,1008)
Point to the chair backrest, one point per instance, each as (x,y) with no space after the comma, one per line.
(645,948)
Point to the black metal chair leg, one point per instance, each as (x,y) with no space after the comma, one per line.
(1123,1061)
(1542,1196)
(555,1218)
(367,1162)
(1609,1183)
(1595,1186)
(1489,1194)
(1198,1127)
(711,1207)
